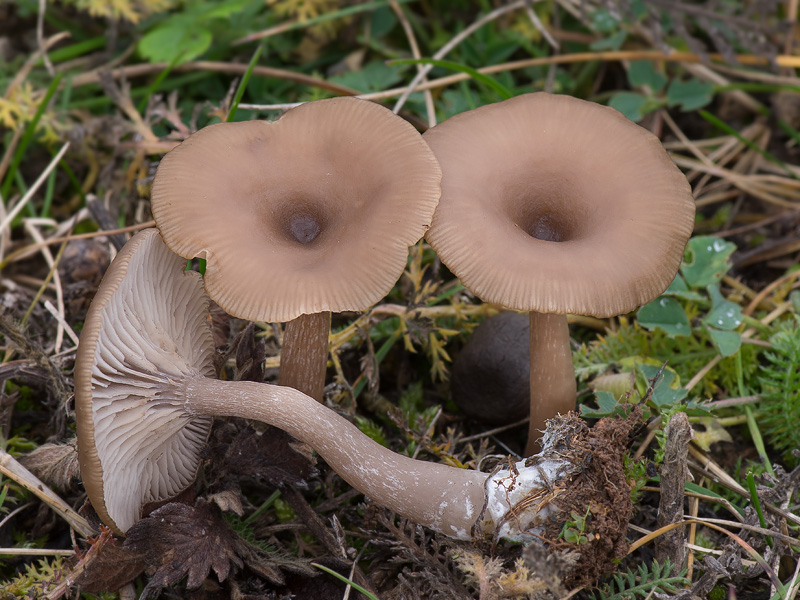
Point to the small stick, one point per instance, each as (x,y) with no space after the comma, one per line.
(35,552)
(60,318)
(12,469)
(674,474)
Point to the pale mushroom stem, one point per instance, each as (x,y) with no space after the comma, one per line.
(304,353)
(445,498)
(553,387)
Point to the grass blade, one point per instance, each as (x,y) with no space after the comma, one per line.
(355,586)
(243,83)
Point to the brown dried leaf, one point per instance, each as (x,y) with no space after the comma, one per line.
(271,456)
(55,464)
(180,540)
(228,501)
(108,568)
(250,356)
(271,565)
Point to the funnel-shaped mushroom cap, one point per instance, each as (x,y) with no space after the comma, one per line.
(137,444)
(311,213)
(558,205)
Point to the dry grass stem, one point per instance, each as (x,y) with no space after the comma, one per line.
(19,474)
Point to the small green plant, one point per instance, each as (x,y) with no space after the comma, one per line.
(660,388)
(780,390)
(416,415)
(690,324)
(697,286)
(658,92)
(644,581)
(185,35)
(637,475)
(575,531)
(372,429)
(35,581)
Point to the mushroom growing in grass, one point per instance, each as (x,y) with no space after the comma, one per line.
(554,205)
(301,217)
(145,396)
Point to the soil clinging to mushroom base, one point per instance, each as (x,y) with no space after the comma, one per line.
(598,491)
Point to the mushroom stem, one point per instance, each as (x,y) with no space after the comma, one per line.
(553,387)
(304,353)
(444,498)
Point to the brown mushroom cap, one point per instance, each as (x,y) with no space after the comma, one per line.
(558,205)
(311,213)
(133,344)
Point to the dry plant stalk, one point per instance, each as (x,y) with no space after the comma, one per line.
(674,475)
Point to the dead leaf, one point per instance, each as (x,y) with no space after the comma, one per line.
(228,501)
(271,457)
(107,566)
(178,540)
(55,464)
(250,355)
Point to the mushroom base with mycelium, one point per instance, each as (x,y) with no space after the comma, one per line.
(145,396)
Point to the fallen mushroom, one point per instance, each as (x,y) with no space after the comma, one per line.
(301,217)
(145,396)
(555,205)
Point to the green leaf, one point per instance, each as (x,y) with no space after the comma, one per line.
(373,76)
(667,390)
(382,21)
(705,260)
(175,42)
(644,72)
(727,343)
(679,289)
(630,104)
(603,20)
(607,406)
(612,42)
(243,86)
(639,9)
(221,10)
(724,314)
(667,314)
(689,95)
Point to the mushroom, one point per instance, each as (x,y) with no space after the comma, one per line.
(555,205)
(145,395)
(308,215)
